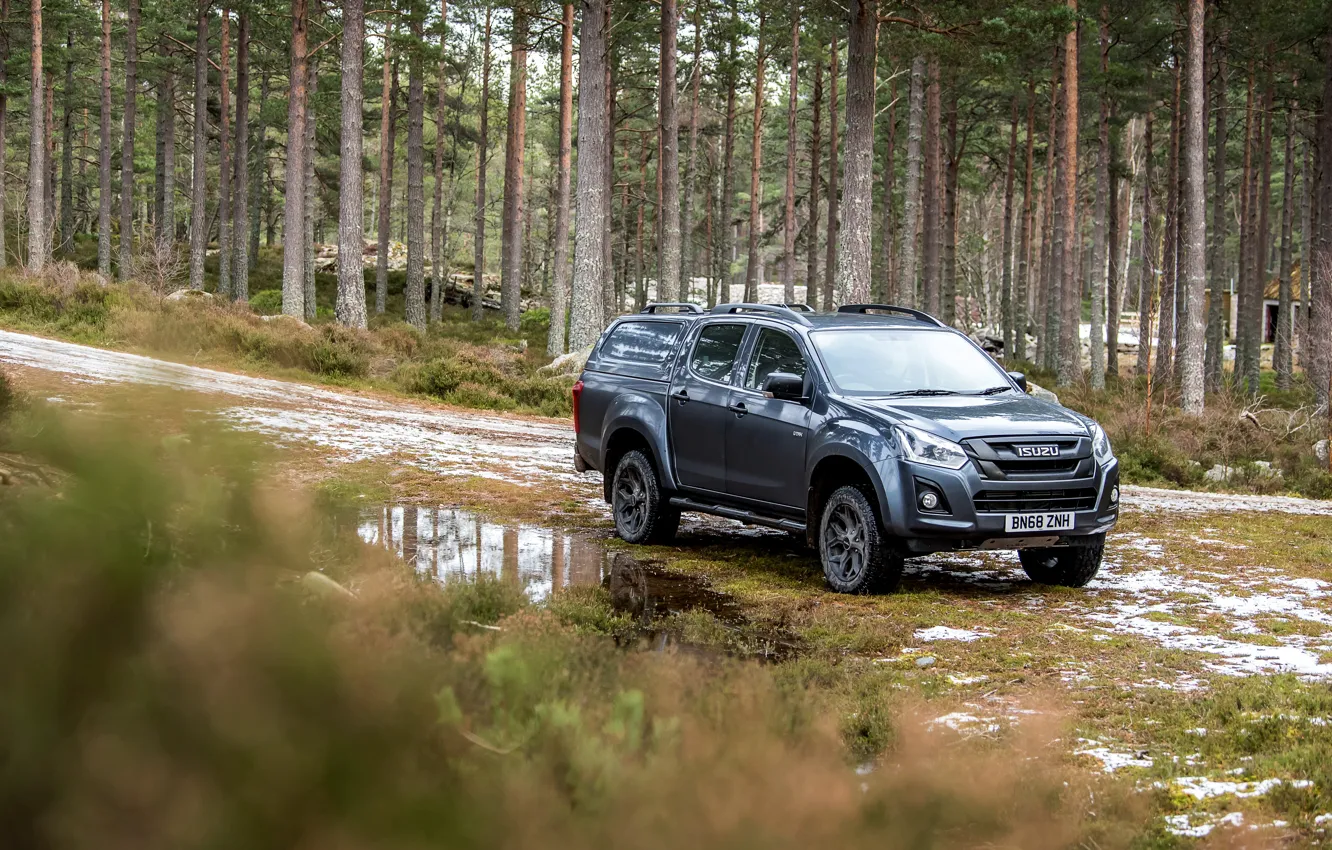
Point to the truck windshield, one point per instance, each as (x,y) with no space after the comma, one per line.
(896,361)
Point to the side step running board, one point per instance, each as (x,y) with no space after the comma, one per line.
(737,513)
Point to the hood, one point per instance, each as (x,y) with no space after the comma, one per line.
(962,417)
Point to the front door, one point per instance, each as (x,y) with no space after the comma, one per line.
(766,437)
(697,406)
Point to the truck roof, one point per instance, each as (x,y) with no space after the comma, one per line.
(847,316)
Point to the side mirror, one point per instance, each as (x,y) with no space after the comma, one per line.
(785,386)
(1020,378)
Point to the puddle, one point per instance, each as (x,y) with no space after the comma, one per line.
(449,544)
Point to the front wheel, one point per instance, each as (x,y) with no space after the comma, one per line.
(1071,566)
(855,554)
(642,512)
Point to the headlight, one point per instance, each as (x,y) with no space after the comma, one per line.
(1100,444)
(924,447)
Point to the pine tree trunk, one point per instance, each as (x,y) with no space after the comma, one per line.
(1019,350)
(438,236)
(1114,250)
(687,260)
(1148,265)
(1099,213)
(1047,345)
(262,197)
(1163,370)
(66,148)
(127,143)
(1193,218)
(4,115)
(311,196)
(559,295)
(906,274)
(1070,359)
(39,246)
(726,212)
(789,211)
(199,179)
(294,200)
(240,203)
(511,239)
(1320,301)
(1255,316)
(669,285)
(1308,237)
(586,312)
(1214,359)
(952,168)
(1006,307)
(1281,355)
(855,241)
(482,159)
(387,146)
(815,158)
(753,273)
(887,288)
(1248,218)
(415,308)
(104,153)
(834,198)
(931,226)
(640,288)
(224,164)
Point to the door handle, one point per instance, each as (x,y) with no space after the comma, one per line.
(682,396)
(739,408)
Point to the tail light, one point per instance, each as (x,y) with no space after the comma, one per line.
(577,396)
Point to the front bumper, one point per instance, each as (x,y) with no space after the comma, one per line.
(960,523)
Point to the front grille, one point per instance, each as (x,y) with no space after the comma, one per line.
(997,459)
(1024,501)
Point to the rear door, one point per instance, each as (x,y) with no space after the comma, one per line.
(766,437)
(697,405)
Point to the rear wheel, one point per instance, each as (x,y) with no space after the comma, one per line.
(642,512)
(1071,566)
(855,554)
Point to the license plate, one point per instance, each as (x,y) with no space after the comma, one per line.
(1024,523)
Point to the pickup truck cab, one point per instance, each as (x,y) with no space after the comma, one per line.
(876,432)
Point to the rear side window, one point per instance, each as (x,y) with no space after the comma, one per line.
(714,353)
(646,347)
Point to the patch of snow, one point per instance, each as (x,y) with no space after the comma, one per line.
(1175,502)
(967,680)
(946,633)
(1202,788)
(966,724)
(1111,760)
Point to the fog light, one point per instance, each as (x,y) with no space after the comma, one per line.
(1114,495)
(929,501)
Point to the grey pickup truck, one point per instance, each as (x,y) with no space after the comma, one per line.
(876,432)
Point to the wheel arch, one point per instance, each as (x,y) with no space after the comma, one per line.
(836,469)
(622,440)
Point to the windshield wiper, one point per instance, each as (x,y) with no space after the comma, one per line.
(994,390)
(923,392)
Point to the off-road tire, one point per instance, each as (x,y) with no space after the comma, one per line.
(640,508)
(1071,566)
(849,528)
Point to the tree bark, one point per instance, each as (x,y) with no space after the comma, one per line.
(726,247)
(1163,370)
(438,228)
(294,201)
(1148,266)
(311,195)
(1006,311)
(387,146)
(1320,302)
(199,179)
(1114,250)
(1248,233)
(1070,359)
(687,261)
(240,203)
(815,157)
(586,317)
(511,239)
(257,189)
(104,153)
(415,308)
(39,245)
(1100,211)
(1048,301)
(1193,217)
(66,148)
(753,273)
(640,287)
(789,212)
(855,241)
(1307,240)
(834,199)
(952,168)
(669,285)
(559,296)
(224,164)
(906,274)
(1281,355)
(482,157)
(1019,350)
(1255,314)
(1214,359)
(932,193)
(887,288)
(127,143)
(4,115)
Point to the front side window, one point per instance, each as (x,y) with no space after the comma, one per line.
(897,361)
(774,352)
(715,351)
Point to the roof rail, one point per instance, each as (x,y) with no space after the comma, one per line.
(683,306)
(799,308)
(918,315)
(771,309)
